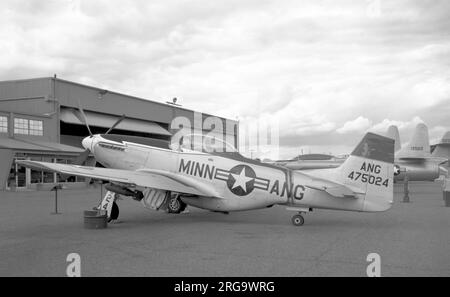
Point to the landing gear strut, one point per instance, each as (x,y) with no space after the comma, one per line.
(298,220)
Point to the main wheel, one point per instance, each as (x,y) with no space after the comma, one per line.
(298,220)
(174,205)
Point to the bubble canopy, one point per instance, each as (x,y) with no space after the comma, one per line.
(204,143)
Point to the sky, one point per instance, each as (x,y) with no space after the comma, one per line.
(327,71)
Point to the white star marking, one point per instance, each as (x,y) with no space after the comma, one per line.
(241,180)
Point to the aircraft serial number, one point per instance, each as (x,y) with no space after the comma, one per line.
(367,178)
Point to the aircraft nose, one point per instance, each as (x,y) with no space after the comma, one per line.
(87,142)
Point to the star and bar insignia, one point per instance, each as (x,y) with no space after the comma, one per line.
(242,180)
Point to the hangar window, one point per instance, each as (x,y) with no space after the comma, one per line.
(3,124)
(20,126)
(39,177)
(28,127)
(36,128)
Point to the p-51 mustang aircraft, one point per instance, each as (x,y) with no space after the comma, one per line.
(226,181)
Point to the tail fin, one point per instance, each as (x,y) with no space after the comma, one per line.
(392,132)
(442,149)
(370,171)
(419,146)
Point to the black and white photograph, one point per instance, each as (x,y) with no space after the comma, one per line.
(224,145)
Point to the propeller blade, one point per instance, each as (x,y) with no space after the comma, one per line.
(82,158)
(84,118)
(115,124)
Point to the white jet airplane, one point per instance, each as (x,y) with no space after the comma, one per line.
(221,180)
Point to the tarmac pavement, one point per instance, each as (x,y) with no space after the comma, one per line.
(412,239)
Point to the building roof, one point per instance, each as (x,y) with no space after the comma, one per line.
(108,91)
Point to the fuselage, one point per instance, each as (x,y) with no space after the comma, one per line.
(242,183)
(427,169)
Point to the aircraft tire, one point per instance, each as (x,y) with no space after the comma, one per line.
(174,205)
(298,220)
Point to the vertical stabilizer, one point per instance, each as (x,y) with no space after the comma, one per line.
(370,170)
(393,133)
(442,149)
(419,146)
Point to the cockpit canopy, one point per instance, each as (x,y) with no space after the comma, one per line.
(206,144)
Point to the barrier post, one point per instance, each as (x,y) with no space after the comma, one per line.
(406,189)
(55,189)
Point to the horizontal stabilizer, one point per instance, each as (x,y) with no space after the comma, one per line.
(333,188)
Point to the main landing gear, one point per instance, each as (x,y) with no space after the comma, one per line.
(175,205)
(298,220)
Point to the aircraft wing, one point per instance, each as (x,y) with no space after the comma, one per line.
(156,179)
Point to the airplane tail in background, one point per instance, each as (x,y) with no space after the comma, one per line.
(419,146)
(370,170)
(393,133)
(442,149)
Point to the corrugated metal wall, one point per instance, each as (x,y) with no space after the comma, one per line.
(39,94)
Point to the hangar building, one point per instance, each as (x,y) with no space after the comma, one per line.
(39,120)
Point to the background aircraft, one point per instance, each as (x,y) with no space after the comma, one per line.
(413,160)
(442,149)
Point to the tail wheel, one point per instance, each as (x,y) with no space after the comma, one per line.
(114,212)
(298,220)
(175,204)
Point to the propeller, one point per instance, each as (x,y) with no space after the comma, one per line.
(84,118)
(116,123)
(82,158)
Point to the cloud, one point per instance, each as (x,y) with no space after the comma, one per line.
(383,126)
(359,124)
(317,65)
